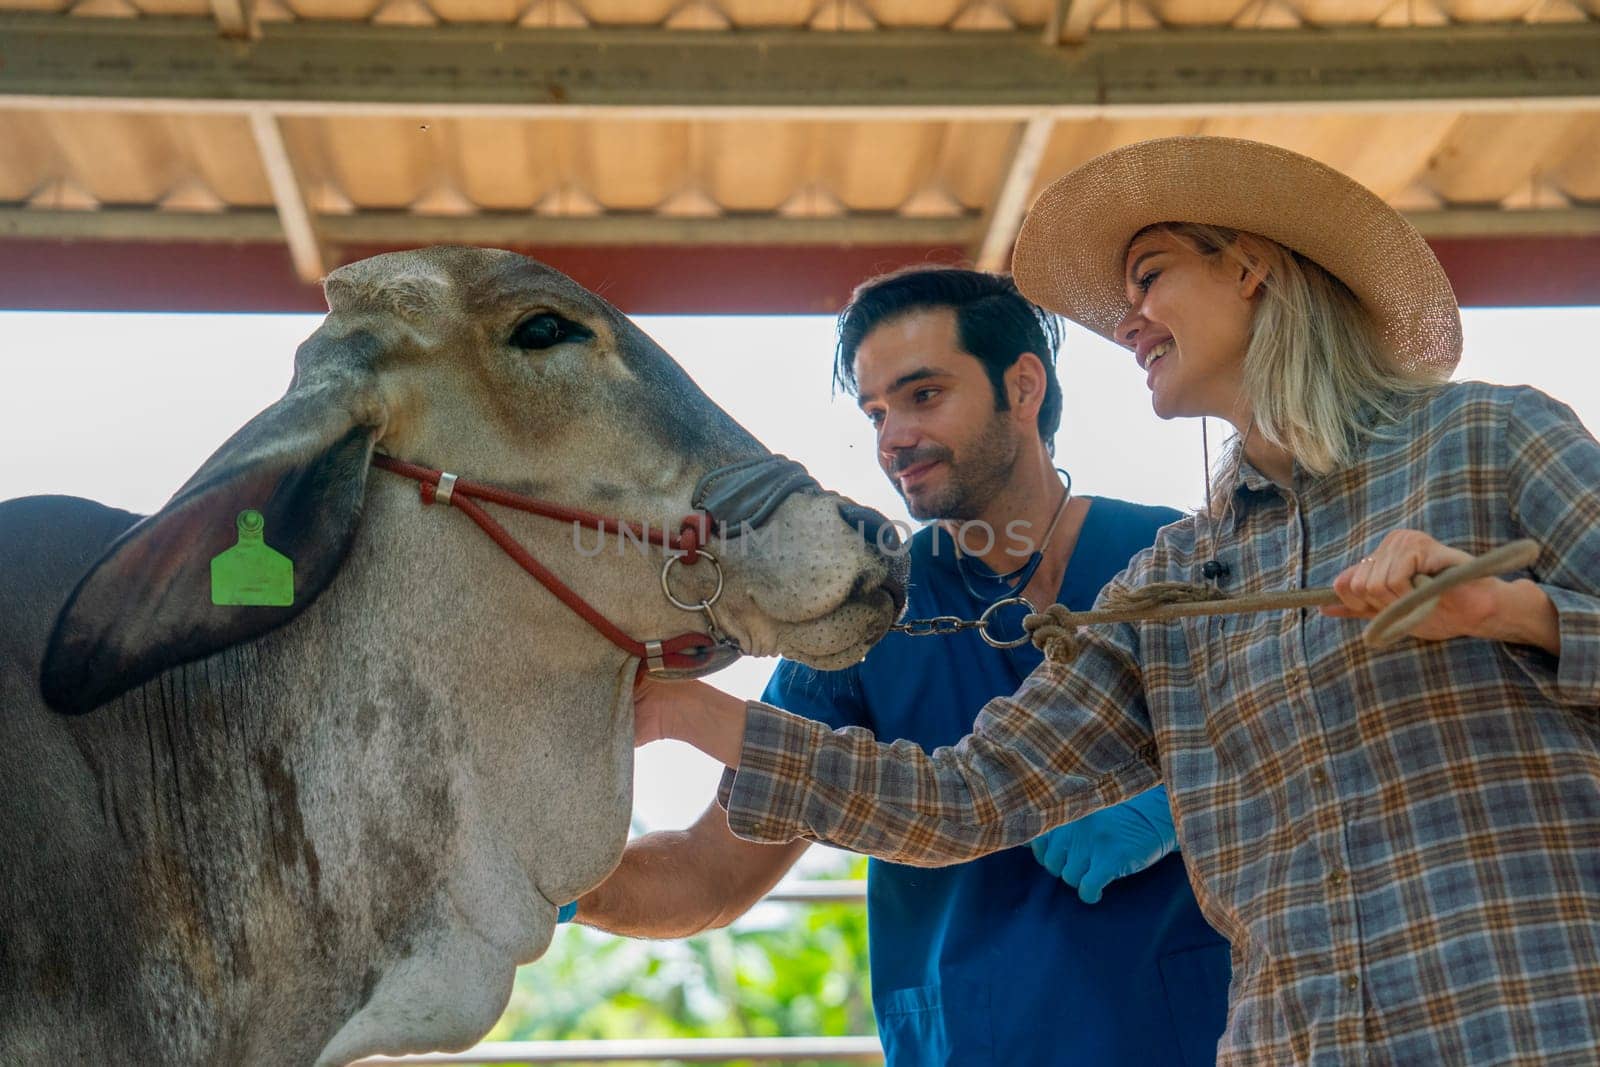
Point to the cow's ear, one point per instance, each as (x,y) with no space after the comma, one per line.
(245,546)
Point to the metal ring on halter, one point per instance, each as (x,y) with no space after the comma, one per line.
(703,605)
(988,617)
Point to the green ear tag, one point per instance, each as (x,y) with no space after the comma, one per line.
(251,572)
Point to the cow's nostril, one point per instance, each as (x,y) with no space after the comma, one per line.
(895,585)
(873,527)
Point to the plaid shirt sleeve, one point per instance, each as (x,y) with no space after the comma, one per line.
(1067,743)
(1552,468)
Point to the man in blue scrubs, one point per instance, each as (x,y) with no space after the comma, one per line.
(1025,956)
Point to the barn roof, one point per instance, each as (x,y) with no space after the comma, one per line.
(745,155)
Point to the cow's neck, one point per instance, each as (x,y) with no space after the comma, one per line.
(340,824)
(196,787)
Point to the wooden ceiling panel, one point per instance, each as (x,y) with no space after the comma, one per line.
(634,166)
(924,14)
(1384,152)
(30,157)
(628,12)
(1307,135)
(169,8)
(768,14)
(1489,157)
(1031,12)
(1577,173)
(355,10)
(222,154)
(509,165)
(1124,15)
(383,163)
(756,166)
(1488,10)
(1076,142)
(973,161)
(877,166)
(502,11)
(117,158)
(1341,12)
(1188,13)
(304,141)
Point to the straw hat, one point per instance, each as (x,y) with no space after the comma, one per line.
(1070,254)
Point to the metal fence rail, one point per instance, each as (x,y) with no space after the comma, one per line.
(817,891)
(647,1050)
(862,1049)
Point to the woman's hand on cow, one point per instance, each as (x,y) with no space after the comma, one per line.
(690,711)
(1517,612)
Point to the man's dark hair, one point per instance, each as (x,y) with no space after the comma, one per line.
(994,323)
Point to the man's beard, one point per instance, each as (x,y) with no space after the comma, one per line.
(971,482)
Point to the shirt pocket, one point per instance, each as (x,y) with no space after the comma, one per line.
(917,1031)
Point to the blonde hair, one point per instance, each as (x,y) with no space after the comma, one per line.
(1316,369)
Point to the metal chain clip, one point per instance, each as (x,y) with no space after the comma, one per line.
(944,625)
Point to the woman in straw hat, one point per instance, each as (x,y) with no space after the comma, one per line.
(1402,844)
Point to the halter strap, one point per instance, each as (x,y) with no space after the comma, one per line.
(685,651)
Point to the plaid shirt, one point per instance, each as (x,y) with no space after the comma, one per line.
(1403,846)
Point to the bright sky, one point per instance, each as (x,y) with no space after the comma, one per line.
(122,408)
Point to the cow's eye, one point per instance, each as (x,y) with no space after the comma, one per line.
(546,330)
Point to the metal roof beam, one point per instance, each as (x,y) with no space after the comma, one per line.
(527,229)
(489,228)
(322,68)
(1005,217)
(293,216)
(1490,222)
(1071,20)
(234,18)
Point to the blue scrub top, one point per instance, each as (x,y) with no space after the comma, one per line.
(995,961)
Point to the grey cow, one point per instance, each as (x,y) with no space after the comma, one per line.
(307,834)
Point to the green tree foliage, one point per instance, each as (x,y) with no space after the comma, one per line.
(783,970)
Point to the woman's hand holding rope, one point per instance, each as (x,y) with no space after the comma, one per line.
(1516,612)
(1410,586)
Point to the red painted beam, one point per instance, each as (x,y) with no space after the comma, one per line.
(703,279)
(43,275)
(151,276)
(1522,271)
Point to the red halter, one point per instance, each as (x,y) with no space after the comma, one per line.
(685,651)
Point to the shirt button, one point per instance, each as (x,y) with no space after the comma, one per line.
(1336,877)
(1352,983)
(1319,777)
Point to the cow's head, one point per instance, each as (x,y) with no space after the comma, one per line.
(451,747)
(502,370)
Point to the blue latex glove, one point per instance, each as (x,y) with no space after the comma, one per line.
(565,913)
(1098,849)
